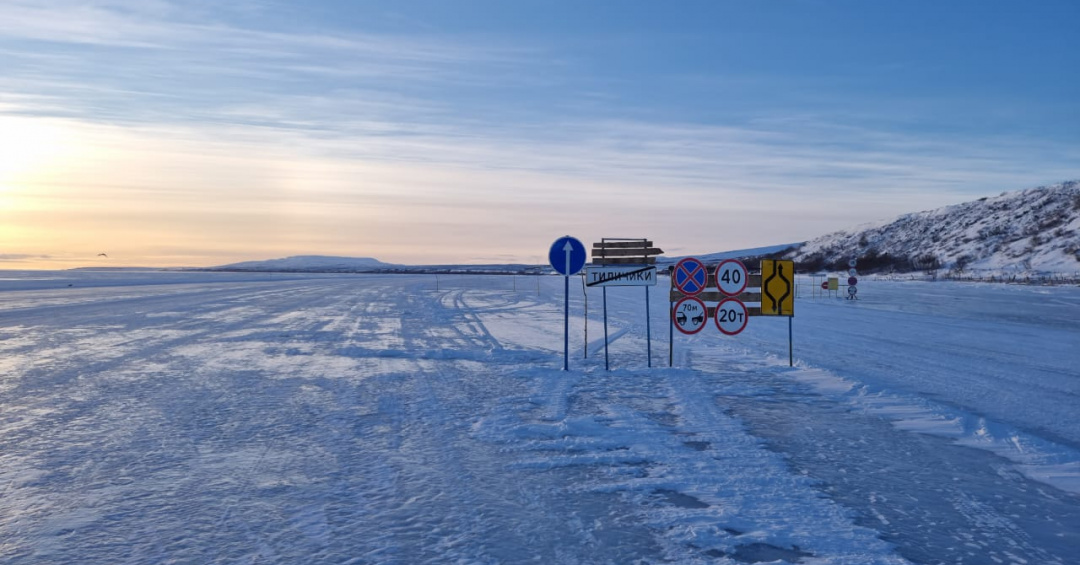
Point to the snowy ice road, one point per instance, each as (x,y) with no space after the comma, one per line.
(213,418)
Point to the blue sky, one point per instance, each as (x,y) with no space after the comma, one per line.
(199,132)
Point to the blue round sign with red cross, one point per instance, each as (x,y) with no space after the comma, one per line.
(690,276)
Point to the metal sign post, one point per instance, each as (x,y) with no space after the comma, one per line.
(778,295)
(586,295)
(567,257)
(607,363)
(671,322)
(624,262)
(648,329)
(624,275)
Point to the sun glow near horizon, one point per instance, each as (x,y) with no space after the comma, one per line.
(203,196)
(149,196)
(197,134)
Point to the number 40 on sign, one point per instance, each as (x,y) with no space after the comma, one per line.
(731,277)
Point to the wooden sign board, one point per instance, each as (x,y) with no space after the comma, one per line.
(625,252)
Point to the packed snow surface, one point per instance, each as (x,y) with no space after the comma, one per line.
(258,418)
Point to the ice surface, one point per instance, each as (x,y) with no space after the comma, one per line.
(221,418)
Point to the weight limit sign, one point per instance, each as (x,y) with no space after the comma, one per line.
(731,316)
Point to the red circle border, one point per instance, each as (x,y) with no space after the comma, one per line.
(704,269)
(746,316)
(746,276)
(676,309)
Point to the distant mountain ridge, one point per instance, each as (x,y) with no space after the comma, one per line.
(1033,230)
(327,264)
(309,263)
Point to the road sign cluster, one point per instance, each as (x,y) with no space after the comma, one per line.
(691,281)
(853,280)
(632,262)
(690,278)
(773,290)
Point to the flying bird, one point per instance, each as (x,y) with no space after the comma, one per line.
(102,255)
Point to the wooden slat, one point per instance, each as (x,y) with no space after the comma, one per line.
(622,244)
(752,281)
(643,251)
(624,261)
(717,296)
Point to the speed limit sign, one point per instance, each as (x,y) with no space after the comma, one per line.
(731,277)
(731,316)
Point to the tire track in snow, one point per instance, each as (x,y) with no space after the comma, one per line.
(446,517)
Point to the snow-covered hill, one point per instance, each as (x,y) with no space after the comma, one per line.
(310,263)
(1034,230)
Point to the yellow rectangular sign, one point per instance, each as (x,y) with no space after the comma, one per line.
(777,288)
(834,283)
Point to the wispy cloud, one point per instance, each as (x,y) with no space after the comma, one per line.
(20,257)
(208,128)
(435,196)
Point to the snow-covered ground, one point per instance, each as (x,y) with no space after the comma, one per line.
(1033,232)
(256,418)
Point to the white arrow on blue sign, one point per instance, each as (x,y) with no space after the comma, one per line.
(567,255)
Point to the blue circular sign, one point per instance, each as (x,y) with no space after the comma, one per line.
(690,276)
(567,255)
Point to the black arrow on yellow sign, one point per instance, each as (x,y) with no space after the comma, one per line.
(777,288)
